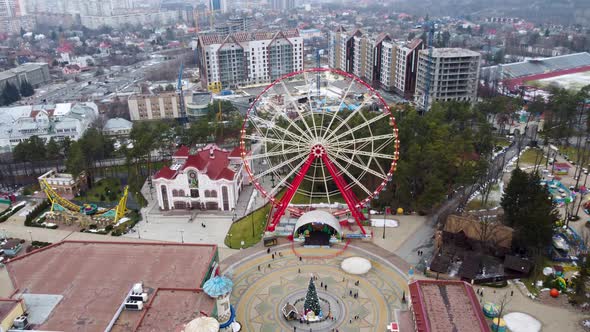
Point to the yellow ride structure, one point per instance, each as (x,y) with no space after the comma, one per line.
(57,200)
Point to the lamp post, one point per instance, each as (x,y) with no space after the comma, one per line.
(181,236)
(383,223)
(31,235)
(4,234)
(252,219)
(138,233)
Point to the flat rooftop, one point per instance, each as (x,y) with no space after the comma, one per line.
(6,307)
(451,52)
(441,306)
(95,277)
(167,310)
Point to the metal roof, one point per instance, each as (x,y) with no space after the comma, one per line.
(542,66)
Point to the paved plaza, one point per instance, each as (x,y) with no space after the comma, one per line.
(260,291)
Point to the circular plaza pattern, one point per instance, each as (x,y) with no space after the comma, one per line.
(357,303)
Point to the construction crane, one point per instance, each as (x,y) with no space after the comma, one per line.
(430,26)
(183,118)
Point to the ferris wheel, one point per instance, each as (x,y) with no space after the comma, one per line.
(319,137)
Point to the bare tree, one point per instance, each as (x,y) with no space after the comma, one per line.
(503,303)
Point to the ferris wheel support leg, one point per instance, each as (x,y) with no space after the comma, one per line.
(349,196)
(286,199)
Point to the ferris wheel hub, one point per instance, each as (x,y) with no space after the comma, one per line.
(318,150)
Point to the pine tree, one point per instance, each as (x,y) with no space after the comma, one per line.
(529,209)
(311,299)
(26,89)
(10,94)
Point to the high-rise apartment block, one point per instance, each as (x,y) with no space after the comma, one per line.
(406,67)
(13,16)
(454,75)
(371,59)
(12,8)
(245,58)
(282,5)
(219,6)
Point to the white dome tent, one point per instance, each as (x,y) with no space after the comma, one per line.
(202,324)
(316,221)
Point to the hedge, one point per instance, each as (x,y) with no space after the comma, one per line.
(36,212)
(7,214)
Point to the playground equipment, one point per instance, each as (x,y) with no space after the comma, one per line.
(58,203)
(554,292)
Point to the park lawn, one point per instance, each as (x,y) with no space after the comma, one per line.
(532,156)
(571,152)
(241,230)
(300,198)
(100,191)
(503,142)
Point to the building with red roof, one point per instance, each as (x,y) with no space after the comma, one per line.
(93,290)
(209,178)
(443,305)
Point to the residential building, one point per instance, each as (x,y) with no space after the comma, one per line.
(219,5)
(12,8)
(117,127)
(36,74)
(454,75)
(130,18)
(235,24)
(282,5)
(136,268)
(211,178)
(15,24)
(246,58)
(46,121)
(406,67)
(437,305)
(64,183)
(164,105)
(372,59)
(197,104)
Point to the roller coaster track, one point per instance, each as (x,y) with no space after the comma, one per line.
(57,199)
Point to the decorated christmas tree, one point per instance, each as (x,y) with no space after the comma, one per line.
(311,299)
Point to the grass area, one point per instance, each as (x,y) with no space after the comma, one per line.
(502,141)
(532,156)
(537,274)
(477,204)
(105,190)
(248,229)
(300,198)
(571,152)
(241,230)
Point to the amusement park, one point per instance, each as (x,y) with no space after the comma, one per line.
(304,232)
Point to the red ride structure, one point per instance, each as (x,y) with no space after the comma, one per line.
(319,138)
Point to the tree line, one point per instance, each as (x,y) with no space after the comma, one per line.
(440,151)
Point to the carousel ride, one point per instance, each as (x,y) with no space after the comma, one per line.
(69,212)
(319,139)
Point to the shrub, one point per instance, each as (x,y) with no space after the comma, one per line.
(93,226)
(108,228)
(36,212)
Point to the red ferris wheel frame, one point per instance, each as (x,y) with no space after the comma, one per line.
(317,152)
